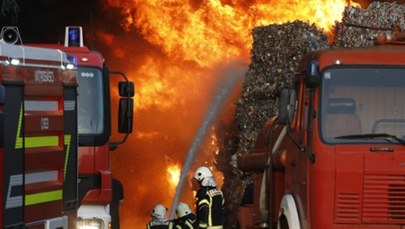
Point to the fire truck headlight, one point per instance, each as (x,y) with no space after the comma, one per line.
(15,61)
(70,66)
(72,62)
(93,223)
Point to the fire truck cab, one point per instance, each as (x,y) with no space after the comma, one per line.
(94,127)
(334,157)
(38,137)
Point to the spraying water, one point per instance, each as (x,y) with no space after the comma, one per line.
(232,76)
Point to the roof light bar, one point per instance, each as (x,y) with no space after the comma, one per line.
(74,36)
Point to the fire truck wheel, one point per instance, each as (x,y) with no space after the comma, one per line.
(288,214)
(283,224)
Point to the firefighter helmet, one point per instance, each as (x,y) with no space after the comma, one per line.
(159,211)
(202,172)
(182,210)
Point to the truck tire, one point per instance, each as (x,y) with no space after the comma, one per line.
(288,214)
(283,224)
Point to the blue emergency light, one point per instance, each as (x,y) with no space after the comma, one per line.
(73,36)
(72,59)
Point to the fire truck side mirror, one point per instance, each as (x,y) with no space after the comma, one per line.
(287,107)
(125,112)
(126,89)
(1,128)
(125,115)
(2,94)
(312,76)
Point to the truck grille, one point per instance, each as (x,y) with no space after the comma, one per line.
(384,199)
(348,207)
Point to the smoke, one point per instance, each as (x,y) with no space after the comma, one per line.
(231,77)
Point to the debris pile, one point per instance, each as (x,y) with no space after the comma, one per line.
(360,26)
(276,53)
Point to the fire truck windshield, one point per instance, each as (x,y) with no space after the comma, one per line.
(90,101)
(360,102)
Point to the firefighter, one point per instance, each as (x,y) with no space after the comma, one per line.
(185,217)
(209,200)
(159,220)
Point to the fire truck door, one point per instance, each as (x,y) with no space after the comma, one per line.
(13,159)
(38,162)
(70,185)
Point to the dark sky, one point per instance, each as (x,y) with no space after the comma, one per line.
(42,21)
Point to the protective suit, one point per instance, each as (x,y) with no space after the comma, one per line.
(159,220)
(209,200)
(185,217)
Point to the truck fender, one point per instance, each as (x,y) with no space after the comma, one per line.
(288,209)
(263,190)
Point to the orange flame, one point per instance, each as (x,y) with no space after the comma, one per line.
(206,33)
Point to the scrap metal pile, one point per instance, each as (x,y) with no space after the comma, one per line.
(360,26)
(277,51)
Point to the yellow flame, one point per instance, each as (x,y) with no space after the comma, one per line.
(212,31)
(164,85)
(173,172)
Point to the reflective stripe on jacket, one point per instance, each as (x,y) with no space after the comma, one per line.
(188,222)
(210,204)
(154,224)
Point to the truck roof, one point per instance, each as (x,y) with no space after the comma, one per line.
(389,54)
(25,53)
(91,57)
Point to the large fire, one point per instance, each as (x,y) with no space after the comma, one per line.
(173,60)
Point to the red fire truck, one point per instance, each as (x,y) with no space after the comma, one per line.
(94,127)
(335,155)
(38,137)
